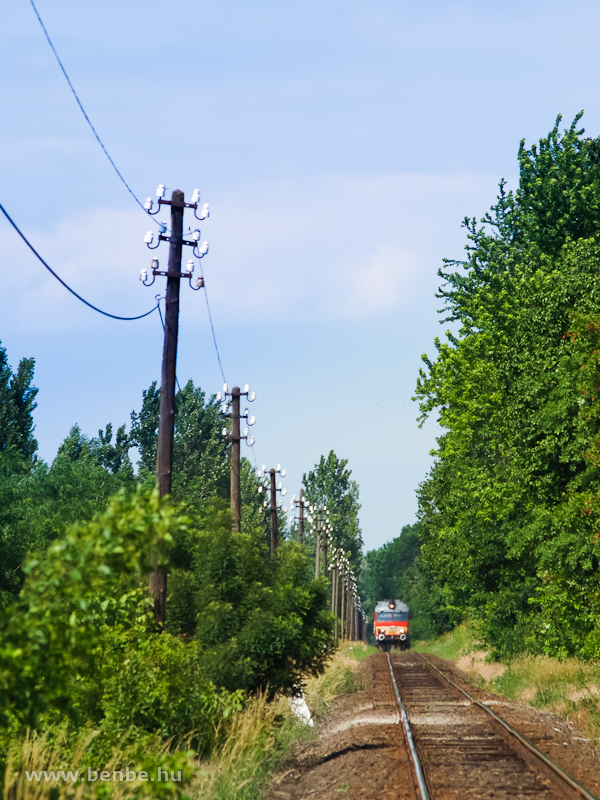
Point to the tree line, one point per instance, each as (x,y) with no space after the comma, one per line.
(510,511)
(508,531)
(78,537)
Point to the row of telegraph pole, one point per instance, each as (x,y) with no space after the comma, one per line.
(332,563)
(345,602)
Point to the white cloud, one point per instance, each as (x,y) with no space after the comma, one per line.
(332,247)
(343,247)
(374,285)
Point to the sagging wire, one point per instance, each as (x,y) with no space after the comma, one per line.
(83,111)
(60,280)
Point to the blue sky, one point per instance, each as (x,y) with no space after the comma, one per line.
(340,144)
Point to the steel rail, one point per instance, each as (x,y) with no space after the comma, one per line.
(574,784)
(409,736)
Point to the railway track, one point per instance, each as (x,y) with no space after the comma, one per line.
(462,749)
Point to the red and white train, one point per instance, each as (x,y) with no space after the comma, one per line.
(390,625)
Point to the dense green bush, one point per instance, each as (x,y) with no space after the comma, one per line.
(79,643)
(87,582)
(262,622)
(157,683)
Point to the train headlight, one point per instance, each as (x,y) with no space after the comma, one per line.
(381,637)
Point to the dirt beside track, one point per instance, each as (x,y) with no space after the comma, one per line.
(361,749)
(360,752)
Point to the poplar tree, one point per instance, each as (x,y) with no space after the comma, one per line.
(330,485)
(17,403)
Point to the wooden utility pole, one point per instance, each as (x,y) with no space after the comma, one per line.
(343,593)
(333,574)
(236,501)
(236,441)
(300,504)
(324,545)
(334,595)
(274,525)
(269,486)
(301,518)
(318,547)
(166,424)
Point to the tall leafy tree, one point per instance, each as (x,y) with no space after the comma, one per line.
(330,484)
(201,467)
(38,502)
(510,467)
(113,456)
(17,403)
(17,469)
(144,427)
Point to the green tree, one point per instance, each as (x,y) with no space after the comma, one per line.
(38,502)
(144,427)
(330,484)
(17,403)
(388,568)
(18,468)
(201,466)
(113,457)
(508,392)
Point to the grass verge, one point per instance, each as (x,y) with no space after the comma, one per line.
(359,650)
(258,740)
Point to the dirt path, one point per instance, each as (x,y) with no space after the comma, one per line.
(361,750)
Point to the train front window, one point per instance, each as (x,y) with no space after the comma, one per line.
(392,616)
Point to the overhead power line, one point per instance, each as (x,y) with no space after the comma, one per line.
(114,166)
(83,111)
(212,327)
(60,280)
